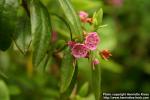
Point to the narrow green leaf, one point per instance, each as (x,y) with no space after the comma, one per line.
(40,29)
(96,75)
(97,17)
(4,94)
(84,89)
(96,82)
(72,17)
(67,70)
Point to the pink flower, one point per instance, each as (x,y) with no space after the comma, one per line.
(95,61)
(71,43)
(83,16)
(92,40)
(79,50)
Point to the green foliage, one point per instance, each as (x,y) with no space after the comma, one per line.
(96,76)
(58,75)
(23,31)
(40,28)
(8,10)
(97,17)
(108,35)
(84,90)
(4,93)
(96,82)
(72,17)
(67,70)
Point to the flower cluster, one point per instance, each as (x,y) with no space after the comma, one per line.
(79,50)
(90,43)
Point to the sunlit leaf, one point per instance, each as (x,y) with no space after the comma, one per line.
(40,28)
(96,82)
(23,29)
(67,70)
(84,89)
(97,17)
(96,76)
(4,93)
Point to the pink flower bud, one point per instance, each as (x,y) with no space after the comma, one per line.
(79,50)
(95,61)
(92,40)
(83,16)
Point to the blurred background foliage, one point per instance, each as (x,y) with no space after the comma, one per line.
(126,35)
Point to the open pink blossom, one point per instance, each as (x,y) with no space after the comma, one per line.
(83,16)
(92,40)
(79,50)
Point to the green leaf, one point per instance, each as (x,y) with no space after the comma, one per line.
(72,17)
(84,89)
(4,94)
(96,81)
(8,18)
(97,17)
(96,75)
(40,29)
(45,63)
(23,29)
(67,70)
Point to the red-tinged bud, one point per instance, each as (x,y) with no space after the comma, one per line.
(89,20)
(105,54)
